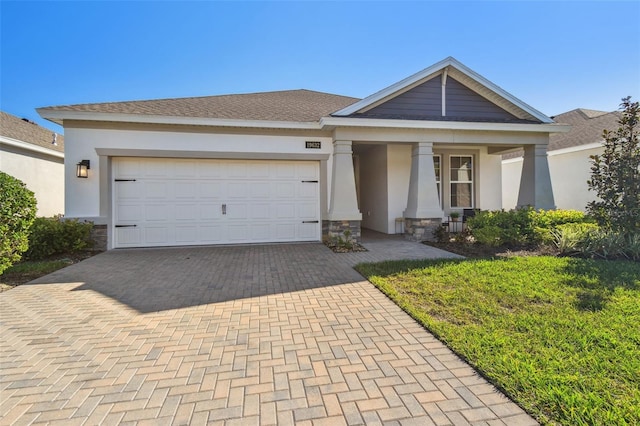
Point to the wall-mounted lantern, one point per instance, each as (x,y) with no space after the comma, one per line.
(82,167)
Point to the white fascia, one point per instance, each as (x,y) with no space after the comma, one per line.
(450,61)
(578,148)
(59,116)
(333,122)
(30,147)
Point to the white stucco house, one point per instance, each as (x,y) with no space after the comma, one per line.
(296,165)
(569,159)
(34,155)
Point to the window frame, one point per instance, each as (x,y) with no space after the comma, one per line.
(438,176)
(451,182)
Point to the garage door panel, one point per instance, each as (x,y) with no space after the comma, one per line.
(260,211)
(285,190)
(127,168)
(187,212)
(186,190)
(307,171)
(128,237)
(129,190)
(130,212)
(237,190)
(285,211)
(260,232)
(258,171)
(211,190)
(307,231)
(209,212)
(260,190)
(285,231)
(157,168)
(158,212)
(237,169)
(307,190)
(185,169)
(156,234)
(211,234)
(180,201)
(307,211)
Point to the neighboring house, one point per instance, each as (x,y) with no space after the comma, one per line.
(296,165)
(28,152)
(569,159)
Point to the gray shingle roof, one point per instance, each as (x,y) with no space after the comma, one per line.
(26,131)
(287,105)
(586,127)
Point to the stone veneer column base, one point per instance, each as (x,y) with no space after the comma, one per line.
(99,237)
(336,228)
(420,229)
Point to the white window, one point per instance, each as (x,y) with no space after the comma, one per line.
(437,166)
(461,181)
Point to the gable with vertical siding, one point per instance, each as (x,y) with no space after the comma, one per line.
(424,102)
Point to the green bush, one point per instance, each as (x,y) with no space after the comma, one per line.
(523,226)
(17,212)
(569,238)
(591,241)
(53,235)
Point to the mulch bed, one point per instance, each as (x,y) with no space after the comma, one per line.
(481,251)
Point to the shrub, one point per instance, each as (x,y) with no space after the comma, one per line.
(17,212)
(615,175)
(521,226)
(589,240)
(53,235)
(569,238)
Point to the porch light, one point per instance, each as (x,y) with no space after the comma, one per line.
(82,167)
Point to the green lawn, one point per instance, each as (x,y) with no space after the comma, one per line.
(561,336)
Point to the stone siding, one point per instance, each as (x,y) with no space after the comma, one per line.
(421,229)
(99,237)
(337,228)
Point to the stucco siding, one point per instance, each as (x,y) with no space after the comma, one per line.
(374,189)
(86,198)
(511,173)
(42,174)
(399,173)
(489,196)
(569,174)
(569,169)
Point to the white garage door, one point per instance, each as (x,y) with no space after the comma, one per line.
(172,202)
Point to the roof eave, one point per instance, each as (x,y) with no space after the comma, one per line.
(329,123)
(58,117)
(4,140)
(449,61)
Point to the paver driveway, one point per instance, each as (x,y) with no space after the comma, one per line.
(273,334)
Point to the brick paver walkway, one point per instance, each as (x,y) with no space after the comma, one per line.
(273,334)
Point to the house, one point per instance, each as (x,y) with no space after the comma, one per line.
(296,165)
(34,155)
(569,159)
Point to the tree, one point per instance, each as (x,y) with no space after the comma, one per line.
(17,213)
(615,175)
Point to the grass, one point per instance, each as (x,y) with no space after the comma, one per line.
(21,273)
(560,336)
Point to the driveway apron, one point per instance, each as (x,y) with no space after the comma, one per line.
(261,334)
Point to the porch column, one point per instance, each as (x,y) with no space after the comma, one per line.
(535,183)
(423,212)
(343,206)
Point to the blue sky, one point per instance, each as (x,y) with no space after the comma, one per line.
(555,56)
